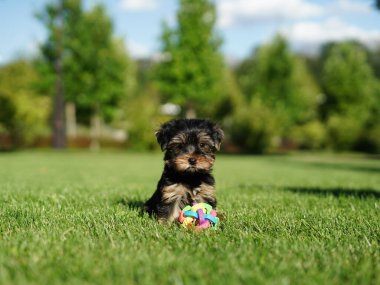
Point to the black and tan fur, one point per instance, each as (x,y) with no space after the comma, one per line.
(190,146)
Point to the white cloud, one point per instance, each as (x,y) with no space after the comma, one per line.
(138,50)
(348,6)
(235,12)
(138,5)
(312,34)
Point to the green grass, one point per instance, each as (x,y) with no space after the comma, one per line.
(74,218)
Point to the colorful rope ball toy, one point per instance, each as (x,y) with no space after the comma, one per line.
(198,216)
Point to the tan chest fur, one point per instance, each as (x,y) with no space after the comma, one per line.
(178,195)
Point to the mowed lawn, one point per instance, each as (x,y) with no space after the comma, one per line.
(74,218)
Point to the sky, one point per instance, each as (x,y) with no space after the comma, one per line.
(243,24)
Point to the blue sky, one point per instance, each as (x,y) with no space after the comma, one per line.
(243,24)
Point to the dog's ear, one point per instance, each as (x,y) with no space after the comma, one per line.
(162,137)
(217,136)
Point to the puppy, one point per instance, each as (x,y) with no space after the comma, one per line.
(190,146)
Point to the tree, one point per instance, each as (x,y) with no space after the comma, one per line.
(192,69)
(53,51)
(254,127)
(349,86)
(143,117)
(230,98)
(97,70)
(245,74)
(280,94)
(281,80)
(278,80)
(23,111)
(374,60)
(94,63)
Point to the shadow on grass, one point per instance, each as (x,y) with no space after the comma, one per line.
(336,192)
(339,165)
(132,204)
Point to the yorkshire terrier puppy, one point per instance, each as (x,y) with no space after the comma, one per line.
(190,146)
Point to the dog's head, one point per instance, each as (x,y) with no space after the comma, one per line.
(190,144)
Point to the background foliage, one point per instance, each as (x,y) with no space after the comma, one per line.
(273,100)
(191,72)
(23,112)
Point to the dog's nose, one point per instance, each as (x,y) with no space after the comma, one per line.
(192,161)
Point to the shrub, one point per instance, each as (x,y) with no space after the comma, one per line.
(373,138)
(23,112)
(142,114)
(311,135)
(254,128)
(369,140)
(343,132)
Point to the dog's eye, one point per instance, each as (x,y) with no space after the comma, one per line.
(179,146)
(204,146)
(176,146)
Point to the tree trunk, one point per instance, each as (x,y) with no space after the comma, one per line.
(95,132)
(71,120)
(190,113)
(59,129)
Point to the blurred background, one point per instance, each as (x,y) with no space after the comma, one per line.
(277,75)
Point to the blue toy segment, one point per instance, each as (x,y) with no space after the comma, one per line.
(191,214)
(212,219)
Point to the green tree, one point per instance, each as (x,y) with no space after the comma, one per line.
(143,118)
(94,64)
(374,60)
(245,74)
(284,83)
(370,137)
(54,18)
(23,112)
(349,85)
(97,69)
(230,98)
(192,69)
(280,89)
(281,80)
(254,127)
